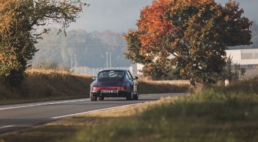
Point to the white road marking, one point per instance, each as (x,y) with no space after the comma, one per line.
(70,115)
(41,104)
(8,126)
(50,103)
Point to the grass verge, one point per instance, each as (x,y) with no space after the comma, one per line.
(46,86)
(216,114)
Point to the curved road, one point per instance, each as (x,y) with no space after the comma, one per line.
(21,116)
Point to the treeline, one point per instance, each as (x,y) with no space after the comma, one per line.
(80,48)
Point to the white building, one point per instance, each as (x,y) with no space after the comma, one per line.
(247,58)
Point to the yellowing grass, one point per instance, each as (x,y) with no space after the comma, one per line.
(42,85)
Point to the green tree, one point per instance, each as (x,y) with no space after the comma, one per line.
(193,39)
(19,22)
(227,73)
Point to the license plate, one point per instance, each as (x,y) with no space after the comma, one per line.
(108,91)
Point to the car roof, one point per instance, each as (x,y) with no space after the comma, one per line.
(111,69)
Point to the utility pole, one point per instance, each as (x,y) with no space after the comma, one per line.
(75,61)
(71,60)
(107,58)
(110,59)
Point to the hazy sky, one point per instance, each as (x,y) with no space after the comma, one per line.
(121,15)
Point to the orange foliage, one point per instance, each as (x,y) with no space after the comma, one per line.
(6,17)
(153,22)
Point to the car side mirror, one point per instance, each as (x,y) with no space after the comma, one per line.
(93,78)
(136,77)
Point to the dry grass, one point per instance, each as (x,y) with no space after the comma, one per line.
(53,83)
(174,82)
(157,87)
(42,85)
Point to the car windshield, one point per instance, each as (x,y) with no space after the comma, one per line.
(111,74)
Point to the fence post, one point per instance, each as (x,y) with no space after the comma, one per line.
(226,82)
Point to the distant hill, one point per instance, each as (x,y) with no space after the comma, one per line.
(80,48)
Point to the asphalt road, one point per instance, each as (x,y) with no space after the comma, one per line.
(22,116)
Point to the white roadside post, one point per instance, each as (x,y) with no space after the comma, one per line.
(226,82)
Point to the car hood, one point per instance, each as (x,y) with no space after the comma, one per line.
(109,83)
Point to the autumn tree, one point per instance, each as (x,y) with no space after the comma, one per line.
(189,35)
(147,43)
(19,24)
